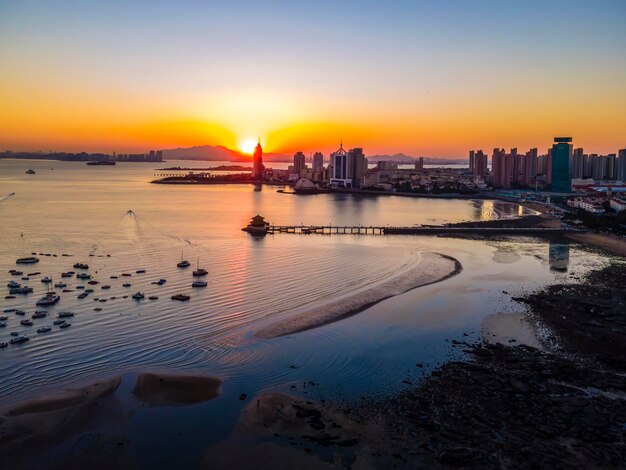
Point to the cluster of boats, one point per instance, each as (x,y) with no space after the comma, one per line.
(51,298)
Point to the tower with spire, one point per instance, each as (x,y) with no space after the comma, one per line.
(257,162)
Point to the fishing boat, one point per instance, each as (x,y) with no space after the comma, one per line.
(65,325)
(199,271)
(26,323)
(126,285)
(13,285)
(4,318)
(83,276)
(65,314)
(181,297)
(81,266)
(27,260)
(46,280)
(199,284)
(153,297)
(3,324)
(48,299)
(44,329)
(60,285)
(106,286)
(67,274)
(16,273)
(93,283)
(140,271)
(38,315)
(160,282)
(21,313)
(30,171)
(82,295)
(183,262)
(138,296)
(58,322)
(257,226)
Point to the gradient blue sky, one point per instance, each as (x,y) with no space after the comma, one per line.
(422,77)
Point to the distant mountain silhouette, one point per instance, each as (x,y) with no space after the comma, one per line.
(218,153)
(224,154)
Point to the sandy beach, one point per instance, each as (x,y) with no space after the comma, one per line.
(429,269)
(170,390)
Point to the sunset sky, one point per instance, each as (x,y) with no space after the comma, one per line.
(427,78)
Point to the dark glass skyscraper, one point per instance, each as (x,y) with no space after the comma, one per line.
(561,169)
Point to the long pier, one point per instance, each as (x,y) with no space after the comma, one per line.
(388,230)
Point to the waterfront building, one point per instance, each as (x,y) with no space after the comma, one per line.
(340,172)
(257,161)
(357,160)
(472,156)
(498,168)
(318,162)
(299,163)
(561,177)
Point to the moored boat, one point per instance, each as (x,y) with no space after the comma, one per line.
(81,266)
(27,260)
(199,284)
(181,297)
(48,299)
(138,296)
(183,263)
(44,329)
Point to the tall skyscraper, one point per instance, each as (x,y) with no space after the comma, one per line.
(358,164)
(299,163)
(498,168)
(257,161)
(479,167)
(419,164)
(318,162)
(577,163)
(339,162)
(621,165)
(472,156)
(561,181)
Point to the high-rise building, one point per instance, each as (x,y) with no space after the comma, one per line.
(339,162)
(561,178)
(358,162)
(577,163)
(299,163)
(419,164)
(472,156)
(610,167)
(621,165)
(498,168)
(479,167)
(318,162)
(257,161)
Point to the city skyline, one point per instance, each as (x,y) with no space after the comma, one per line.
(414,78)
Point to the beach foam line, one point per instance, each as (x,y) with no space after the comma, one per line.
(430,268)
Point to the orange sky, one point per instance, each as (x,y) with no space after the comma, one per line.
(412,79)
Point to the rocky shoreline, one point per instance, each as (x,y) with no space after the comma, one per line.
(506,407)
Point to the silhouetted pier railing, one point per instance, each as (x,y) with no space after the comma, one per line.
(389,230)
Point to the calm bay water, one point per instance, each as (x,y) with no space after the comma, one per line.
(81,210)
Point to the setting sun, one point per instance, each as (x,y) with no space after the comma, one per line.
(247,146)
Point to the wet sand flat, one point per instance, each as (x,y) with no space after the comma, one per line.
(170,389)
(610,243)
(430,268)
